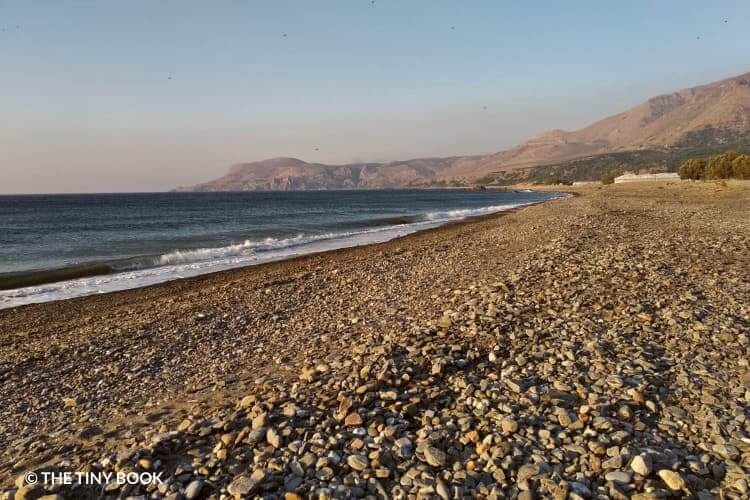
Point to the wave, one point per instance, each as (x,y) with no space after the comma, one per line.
(100,277)
(9,281)
(394,220)
(463,213)
(247,248)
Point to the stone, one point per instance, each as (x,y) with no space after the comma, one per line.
(434,456)
(193,489)
(357,462)
(672,479)
(242,485)
(642,464)
(509,425)
(442,490)
(273,438)
(527,471)
(353,420)
(618,476)
(260,421)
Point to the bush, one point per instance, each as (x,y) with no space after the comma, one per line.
(720,166)
(693,170)
(741,167)
(608,178)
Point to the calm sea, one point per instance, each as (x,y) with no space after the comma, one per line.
(61,246)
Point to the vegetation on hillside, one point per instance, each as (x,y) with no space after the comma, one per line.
(726,165)
(697,145)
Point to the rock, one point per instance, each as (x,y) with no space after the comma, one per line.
(353,420)
(247,401)
(273,438)
(389,395)
(260,421)
(527,471)
(642,465)
(357,462)
(621,477)
(307,374)
(445,322)
(243,485)
(442,490)
(672,479)
(193,489)
(509,425)
(404,447)
(434,456)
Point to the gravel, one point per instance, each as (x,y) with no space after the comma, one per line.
(593,347)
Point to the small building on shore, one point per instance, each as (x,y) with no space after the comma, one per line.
(630,177)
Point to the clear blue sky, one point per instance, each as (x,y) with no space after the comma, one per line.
(147,95)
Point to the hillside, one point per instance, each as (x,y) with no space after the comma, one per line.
(705,117)
(292,174)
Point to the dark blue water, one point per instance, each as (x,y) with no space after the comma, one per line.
(49,238)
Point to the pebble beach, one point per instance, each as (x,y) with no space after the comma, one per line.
(595,346)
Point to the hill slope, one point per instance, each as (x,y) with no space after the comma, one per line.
(293,174)
(710,116)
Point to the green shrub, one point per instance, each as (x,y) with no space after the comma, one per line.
(693,169)
(720,166)
(741,167)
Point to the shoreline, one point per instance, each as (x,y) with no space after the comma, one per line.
(72,270)
(597,306)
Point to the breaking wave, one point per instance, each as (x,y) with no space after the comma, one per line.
(100,277)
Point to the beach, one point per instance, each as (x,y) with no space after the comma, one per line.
(592,345)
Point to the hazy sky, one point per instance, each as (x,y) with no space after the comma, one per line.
(150,95)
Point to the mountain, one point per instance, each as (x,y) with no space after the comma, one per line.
(292,174)
(709,116)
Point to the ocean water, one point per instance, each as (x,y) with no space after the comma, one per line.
(61,246)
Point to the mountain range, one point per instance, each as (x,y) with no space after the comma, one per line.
(704,118)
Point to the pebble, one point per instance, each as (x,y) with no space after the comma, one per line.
(434,456)
(672,479)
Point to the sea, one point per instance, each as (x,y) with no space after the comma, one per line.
(56,247)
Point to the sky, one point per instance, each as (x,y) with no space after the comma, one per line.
(146,96)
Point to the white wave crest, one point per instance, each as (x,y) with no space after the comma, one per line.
(470,212)
(185,263)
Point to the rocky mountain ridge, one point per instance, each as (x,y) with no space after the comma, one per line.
(710,114)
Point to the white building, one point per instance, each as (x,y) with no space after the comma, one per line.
(670,176)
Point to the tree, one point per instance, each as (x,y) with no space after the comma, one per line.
(608,178)
(693,169)
(741,167)
(720,166)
